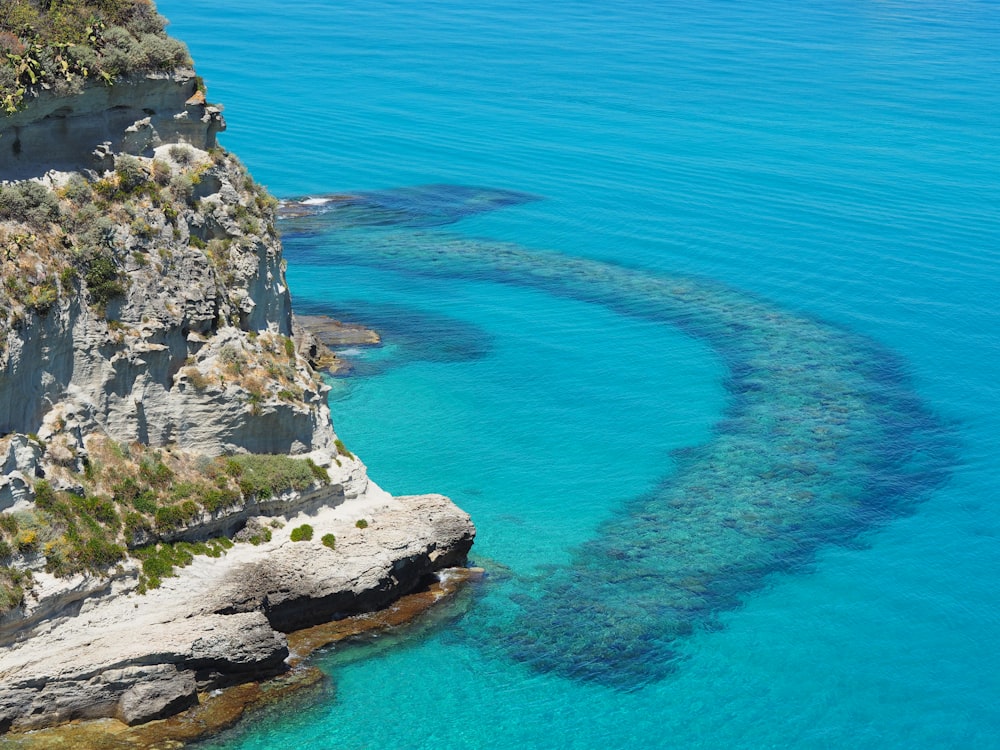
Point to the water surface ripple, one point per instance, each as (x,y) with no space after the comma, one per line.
(822,439)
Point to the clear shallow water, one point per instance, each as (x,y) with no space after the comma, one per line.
(832,163)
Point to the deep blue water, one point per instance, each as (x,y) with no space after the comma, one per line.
(717,378)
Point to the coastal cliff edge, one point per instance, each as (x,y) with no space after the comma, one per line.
(173,497)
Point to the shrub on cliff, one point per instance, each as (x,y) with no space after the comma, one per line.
(97,554)
(170,517)
(342,449)
(303,533)
(103,281)
(76,533)
(318,471)
(132,175)
(214,500)
(12,583)
(158,52)
(29,202)
(264,475)
(133,494)
(159,560)
(154,471)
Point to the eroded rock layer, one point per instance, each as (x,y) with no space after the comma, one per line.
(136,114)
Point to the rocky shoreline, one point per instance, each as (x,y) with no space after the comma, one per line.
(137,658)
(222,709)
(319,335)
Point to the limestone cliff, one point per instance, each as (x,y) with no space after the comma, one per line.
(155,405)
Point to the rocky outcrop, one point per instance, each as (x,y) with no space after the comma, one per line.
(335,333)
(199,284)
(114,676)
(221,622)
(159,692)
(317,335)
(403,543)
(21,466)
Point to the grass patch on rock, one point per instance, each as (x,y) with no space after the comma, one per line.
(140,501)
(159,561)
(265,475)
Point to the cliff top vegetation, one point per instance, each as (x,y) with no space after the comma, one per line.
(58,44)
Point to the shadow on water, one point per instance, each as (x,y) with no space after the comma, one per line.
(823,439)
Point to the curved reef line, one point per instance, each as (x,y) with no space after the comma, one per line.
(823,438)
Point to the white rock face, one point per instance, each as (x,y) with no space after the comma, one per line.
(20,467)
(181,309)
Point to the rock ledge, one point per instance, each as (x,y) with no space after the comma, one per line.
(222,621)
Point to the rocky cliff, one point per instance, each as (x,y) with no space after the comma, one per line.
(173,495)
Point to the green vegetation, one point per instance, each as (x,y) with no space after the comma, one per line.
(342,449)
(49,239)
(132,175)
(76,534)
(134,497)
(361,523)
(265,475)
(81,239)
(319,472)
(84,533)
(103,281)
(303,533)
(59,44)
(12,585)
(329,540)
(263,536)
(28,202)
(160,560)
(170,517)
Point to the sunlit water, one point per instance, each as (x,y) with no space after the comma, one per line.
(717,380)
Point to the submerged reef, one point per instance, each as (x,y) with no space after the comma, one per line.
(823,438)
(421,336)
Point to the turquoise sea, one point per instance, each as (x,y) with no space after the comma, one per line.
(693,307)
